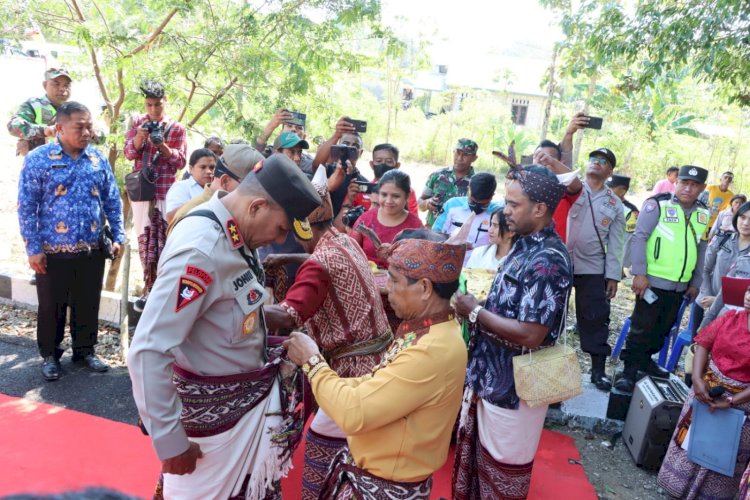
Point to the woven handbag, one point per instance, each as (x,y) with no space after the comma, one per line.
(549,375)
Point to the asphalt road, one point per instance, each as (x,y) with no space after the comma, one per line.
(106,395)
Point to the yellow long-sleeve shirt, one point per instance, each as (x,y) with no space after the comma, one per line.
(399,419)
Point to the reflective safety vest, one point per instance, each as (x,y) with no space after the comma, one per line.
(672,248)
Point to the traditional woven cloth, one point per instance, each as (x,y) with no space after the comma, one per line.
(320,452)
(417,259)
(539,184)
(150,245)
(682,478)
(476,474)
(212,405)
(347,481)
(351,321)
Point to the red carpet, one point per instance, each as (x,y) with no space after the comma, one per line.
(47,449)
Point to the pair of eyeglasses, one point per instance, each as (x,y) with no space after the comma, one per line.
(600,161)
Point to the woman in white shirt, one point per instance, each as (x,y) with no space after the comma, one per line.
(202,164)
(501,241)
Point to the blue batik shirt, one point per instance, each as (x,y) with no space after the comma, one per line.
(60,200)
(532,287)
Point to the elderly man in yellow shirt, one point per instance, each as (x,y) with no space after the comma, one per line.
(399,418)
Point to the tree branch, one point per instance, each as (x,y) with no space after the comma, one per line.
(213,101)
(155,34)
(189,98)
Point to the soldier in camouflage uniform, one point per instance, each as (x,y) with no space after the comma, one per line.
(34,121)
(449,182)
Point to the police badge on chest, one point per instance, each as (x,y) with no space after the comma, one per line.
(672,215)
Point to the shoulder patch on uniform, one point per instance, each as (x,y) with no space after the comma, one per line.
(649,206)
(199,273)
(188,291)
(235,238)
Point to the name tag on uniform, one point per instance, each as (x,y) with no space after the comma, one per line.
(671,215)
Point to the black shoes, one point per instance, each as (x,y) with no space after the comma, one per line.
(625,384)
(598,375)
(50,368)
(655,370)
(92,362)
(139,304)
(601,381)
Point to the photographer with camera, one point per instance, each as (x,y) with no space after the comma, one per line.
(340,153)
(159,145)
(449,182)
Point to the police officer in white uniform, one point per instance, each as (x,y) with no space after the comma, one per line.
(596,231)
(204,316)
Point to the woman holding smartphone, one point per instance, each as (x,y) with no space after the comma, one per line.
(389,218)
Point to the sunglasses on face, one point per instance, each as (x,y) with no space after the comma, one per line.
(600,161)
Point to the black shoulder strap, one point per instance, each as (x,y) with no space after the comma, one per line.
(201,213)
(661,197)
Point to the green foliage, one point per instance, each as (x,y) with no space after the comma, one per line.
(711,37)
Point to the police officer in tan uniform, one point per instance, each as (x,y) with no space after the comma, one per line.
(204,322)
(596,231)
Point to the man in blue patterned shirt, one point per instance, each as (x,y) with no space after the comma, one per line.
(499,432)
(65,193)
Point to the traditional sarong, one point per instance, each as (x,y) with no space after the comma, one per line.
(247,427)
(684,479)
(347,481)
(320,451)
(495,449)
(150,245)
(745,485)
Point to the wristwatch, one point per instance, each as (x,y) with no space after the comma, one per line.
(313,365)
(312,361)
(474,314)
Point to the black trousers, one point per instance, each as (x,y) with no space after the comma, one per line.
(592,313)
(75,281)
(649,325)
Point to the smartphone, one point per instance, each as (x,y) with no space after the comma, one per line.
(649,296)
(595,122)
(365,187)
(359,125)
(342,153)
(298,118)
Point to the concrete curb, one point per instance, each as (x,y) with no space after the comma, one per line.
(19,292)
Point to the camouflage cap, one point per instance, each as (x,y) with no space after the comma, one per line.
(53,73)
(467,146)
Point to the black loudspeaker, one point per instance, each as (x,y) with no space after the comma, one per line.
(652,417)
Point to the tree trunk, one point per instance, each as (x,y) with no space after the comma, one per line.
(550,94)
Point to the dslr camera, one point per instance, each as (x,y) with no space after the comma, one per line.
(155,132)
(351,216)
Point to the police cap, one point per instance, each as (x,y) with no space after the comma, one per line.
(693,173)
(289,187)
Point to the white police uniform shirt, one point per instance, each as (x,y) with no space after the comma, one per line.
(583,243)
(204,313)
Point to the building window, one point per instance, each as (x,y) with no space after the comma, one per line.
(518,111)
